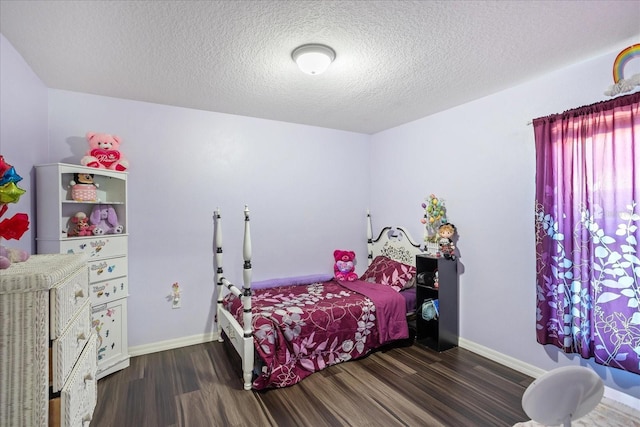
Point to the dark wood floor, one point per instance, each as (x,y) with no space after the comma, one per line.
(201,385)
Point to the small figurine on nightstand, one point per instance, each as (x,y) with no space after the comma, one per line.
(445,233)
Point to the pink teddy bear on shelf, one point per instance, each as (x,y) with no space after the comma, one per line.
(104,152)
(344,268)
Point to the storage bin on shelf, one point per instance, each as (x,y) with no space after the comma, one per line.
(84,193)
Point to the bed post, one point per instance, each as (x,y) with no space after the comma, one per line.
(219,271)
(247,359)
(369,239)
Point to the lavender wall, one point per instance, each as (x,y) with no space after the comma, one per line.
(23,131)
(480,157)
(298,182)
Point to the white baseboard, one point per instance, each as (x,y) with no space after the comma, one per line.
(503,359)
(535,372)
(171,344)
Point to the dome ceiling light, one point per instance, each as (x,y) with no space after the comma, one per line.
(313,59)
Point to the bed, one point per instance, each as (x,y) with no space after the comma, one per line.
(287,329)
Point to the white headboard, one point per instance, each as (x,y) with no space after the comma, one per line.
(392,242)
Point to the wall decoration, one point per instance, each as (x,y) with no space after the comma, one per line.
(621,84)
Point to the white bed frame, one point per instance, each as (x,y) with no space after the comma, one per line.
(240,337)
(392,242)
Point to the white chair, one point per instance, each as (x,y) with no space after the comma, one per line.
(563,395)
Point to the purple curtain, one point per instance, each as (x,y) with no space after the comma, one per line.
(587,231)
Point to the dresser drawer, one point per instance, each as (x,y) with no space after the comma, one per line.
(106,269)
(96,247)
(110,290)
(68,346)
(79,396)
(66,299)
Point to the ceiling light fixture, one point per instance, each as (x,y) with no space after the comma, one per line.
(313,59)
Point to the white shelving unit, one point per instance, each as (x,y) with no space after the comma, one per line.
(108,253)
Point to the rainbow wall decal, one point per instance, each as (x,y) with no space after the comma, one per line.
(622,59)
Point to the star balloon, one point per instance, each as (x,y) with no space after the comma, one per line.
(16,226)
(10,193)
(10,176)
(4,166)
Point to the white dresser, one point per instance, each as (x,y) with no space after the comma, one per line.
(47,346)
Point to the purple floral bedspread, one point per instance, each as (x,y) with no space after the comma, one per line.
(299,330)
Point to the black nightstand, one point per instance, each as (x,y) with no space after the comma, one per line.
(440,332)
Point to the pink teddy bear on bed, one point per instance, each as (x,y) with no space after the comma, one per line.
(104,152)
(344,267)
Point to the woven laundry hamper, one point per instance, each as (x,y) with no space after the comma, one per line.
(24,335)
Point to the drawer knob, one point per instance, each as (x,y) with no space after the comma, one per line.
(79,294)
(87,378)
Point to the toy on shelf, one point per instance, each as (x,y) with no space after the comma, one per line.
(80,226)
(104,152)
(18,224)
(445,233)
(105,220)
(83,188)
(344,268)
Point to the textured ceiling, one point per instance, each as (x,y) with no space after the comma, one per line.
(397,61)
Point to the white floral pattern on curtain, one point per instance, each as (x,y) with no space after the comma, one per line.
(587,231)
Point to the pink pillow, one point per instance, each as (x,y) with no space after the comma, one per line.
(388,272)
